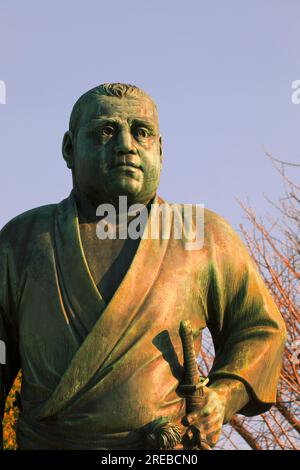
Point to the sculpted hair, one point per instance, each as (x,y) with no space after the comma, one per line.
(119,90)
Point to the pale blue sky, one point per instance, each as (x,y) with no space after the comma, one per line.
(220,72)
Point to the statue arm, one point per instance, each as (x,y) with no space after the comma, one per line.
(234,394)
(247,329)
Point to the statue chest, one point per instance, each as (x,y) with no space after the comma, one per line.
(108,260)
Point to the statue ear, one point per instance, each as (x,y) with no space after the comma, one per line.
(68,149)
(160,149)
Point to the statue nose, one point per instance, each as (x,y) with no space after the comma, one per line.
(124,143)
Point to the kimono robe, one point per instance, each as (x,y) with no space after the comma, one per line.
(95,374)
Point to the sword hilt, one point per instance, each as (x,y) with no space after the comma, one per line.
(193,385)
(190,363)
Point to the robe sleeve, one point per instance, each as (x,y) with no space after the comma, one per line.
(9,357)
(247,329)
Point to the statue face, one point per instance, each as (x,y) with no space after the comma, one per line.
(117,149)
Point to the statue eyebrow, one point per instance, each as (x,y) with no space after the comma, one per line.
(142,122)
(100,120)
(103,120)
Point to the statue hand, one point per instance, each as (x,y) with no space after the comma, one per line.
(204,425)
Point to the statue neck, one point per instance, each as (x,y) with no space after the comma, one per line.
(87,208)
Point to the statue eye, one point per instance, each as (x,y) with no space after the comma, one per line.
(141,132)
(107,131)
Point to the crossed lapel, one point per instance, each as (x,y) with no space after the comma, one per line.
(97,349)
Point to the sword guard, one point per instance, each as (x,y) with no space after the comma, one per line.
(189,389)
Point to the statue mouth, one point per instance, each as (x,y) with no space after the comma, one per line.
(127,166)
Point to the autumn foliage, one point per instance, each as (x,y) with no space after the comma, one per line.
(10,416)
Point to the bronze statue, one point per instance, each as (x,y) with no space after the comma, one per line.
(95,323)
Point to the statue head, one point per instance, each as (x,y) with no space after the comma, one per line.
(113,145)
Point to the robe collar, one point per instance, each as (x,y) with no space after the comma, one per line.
(80,294)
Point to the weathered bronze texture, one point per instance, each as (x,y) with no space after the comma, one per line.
(94,324)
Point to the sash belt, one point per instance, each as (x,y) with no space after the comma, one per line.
(33,435)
